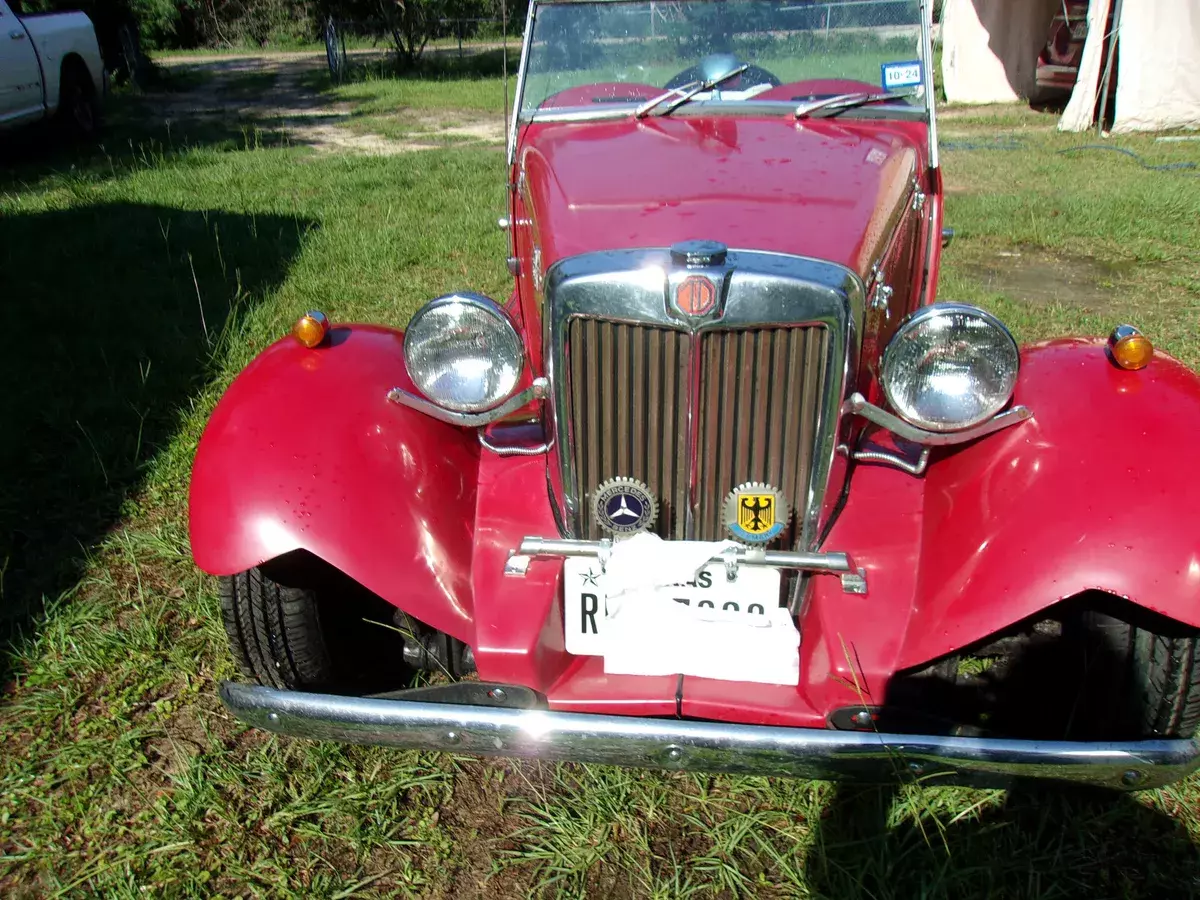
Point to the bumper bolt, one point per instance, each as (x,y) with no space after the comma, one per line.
(916,768)
(273,717)
(862,719)
(498,694)
(1131,777)
(674,754)
(453,737)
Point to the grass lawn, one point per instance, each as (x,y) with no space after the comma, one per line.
(139,279)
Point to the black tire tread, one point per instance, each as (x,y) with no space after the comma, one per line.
(1158,672)
(274,631)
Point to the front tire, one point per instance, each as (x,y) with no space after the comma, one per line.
(275,632)
(296,623)
(1151,668)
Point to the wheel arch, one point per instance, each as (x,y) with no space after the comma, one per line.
(73,61)
(304,452)
(1082,497)
(1094,666)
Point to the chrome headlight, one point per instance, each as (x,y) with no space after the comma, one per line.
(950,366)
(463,353)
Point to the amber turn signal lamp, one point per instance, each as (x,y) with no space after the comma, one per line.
(1129,349)
(311,328)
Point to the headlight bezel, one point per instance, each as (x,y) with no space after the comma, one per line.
(921,317)
(508,331)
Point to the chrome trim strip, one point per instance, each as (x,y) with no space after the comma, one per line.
(519,95)
(536,391)
(930,97)
(857,405)
(883,457)
(708,746)
(501,450)
(781,108)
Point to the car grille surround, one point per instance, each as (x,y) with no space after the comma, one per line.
(631,412)
(692,406)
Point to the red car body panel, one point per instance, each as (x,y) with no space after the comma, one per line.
(1084,496)
(304,451)
(815,188)
(820,188)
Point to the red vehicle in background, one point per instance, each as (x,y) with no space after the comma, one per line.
(1058,63)
(723,484)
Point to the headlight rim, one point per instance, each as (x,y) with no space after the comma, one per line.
(489,306)
(935,310)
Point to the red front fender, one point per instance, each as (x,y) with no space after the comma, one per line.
(1097,491)
(304,451)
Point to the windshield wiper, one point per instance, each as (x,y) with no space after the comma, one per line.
(686,93)
(842,102)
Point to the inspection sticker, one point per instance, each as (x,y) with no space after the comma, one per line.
(901,74)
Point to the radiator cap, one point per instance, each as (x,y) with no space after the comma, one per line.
(698,253)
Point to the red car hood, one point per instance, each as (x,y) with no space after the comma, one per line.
(819,188)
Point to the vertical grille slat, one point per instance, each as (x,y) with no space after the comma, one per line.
(756,403)
(638,344)
(665,489)
(726,423)
(777,407)
(590,437)
(654,405)
(623,437)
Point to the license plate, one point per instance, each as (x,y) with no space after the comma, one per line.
(754,591)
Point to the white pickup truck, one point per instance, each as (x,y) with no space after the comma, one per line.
(50,66)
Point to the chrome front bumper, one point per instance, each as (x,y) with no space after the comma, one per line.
(709,746)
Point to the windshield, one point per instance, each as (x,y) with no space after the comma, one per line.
(604,55)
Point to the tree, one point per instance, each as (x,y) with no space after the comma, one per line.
(407,24)
(410,23)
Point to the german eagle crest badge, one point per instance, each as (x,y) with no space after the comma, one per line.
(755,512)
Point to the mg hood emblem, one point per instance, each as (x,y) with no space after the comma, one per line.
(696,295)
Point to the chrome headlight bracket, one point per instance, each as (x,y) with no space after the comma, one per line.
(536,391)
(857,405)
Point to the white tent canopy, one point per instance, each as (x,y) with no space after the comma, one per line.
(990,49)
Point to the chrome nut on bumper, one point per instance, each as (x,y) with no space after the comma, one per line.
(709,746)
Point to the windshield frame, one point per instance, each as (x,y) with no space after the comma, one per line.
(710,106)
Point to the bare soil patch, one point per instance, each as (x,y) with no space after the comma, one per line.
(1041,278)
(272,91)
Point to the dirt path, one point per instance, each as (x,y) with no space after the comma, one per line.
(275,91)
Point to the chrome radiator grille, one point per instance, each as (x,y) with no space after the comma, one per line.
(693,415)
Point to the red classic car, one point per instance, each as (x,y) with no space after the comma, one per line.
(721,485)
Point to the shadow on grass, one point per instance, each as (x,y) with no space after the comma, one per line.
(112,314)
(133,138)
(1046,842)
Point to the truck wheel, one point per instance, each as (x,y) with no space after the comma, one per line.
(275,631)
(1147,674)
(299,624)
(78,113)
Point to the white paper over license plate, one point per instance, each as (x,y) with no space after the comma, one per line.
(755,590)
